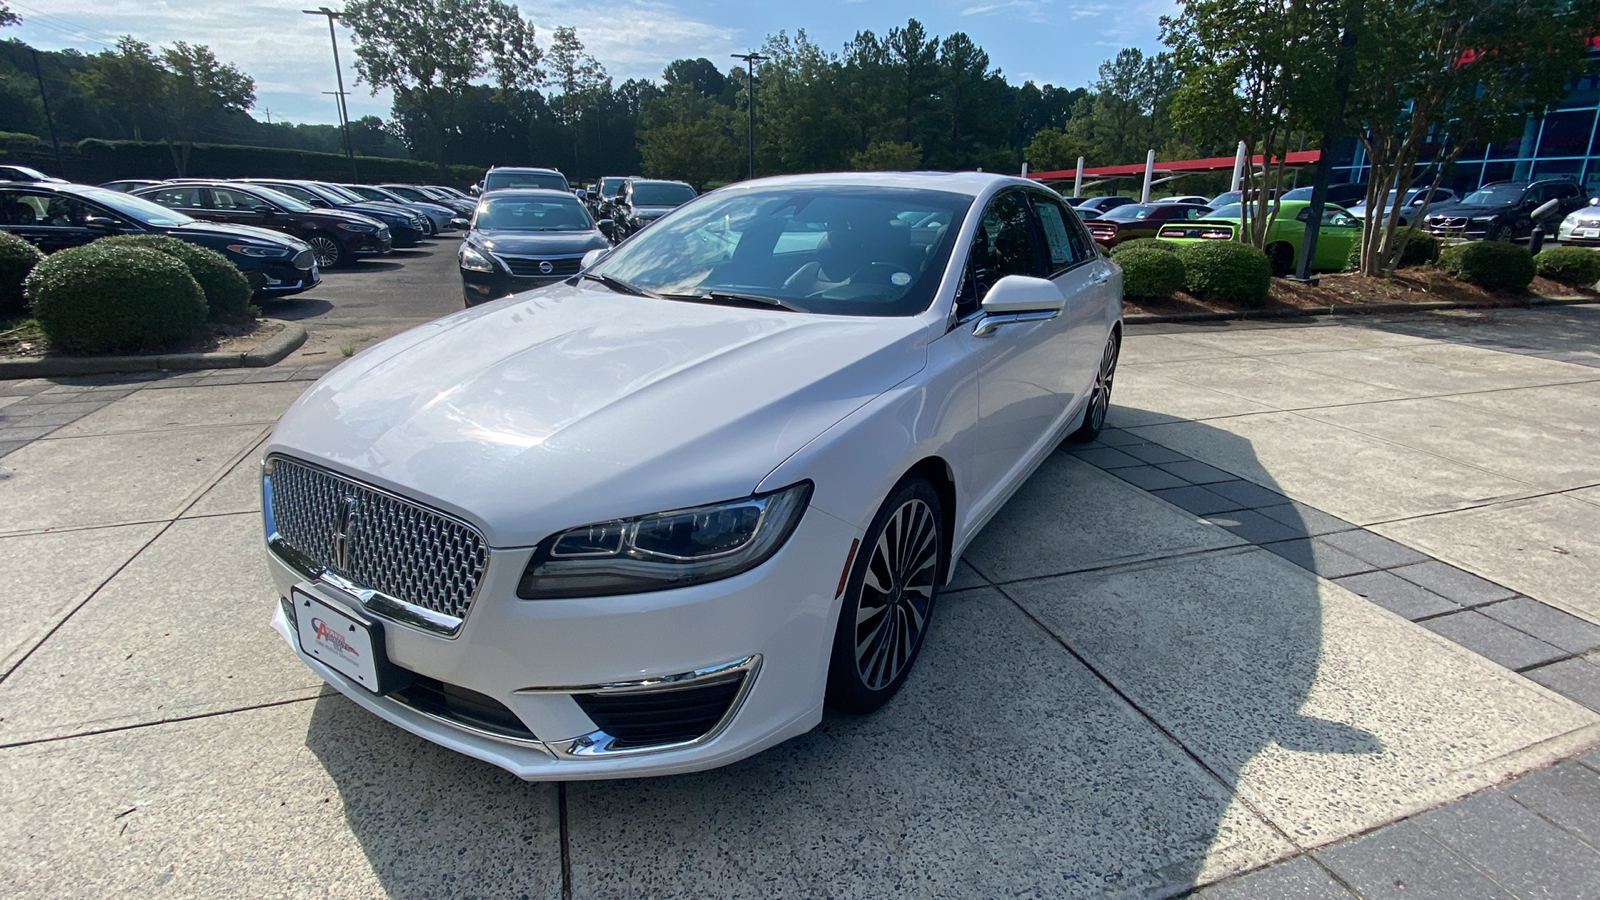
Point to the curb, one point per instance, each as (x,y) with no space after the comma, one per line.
(1342,310)
(269,352)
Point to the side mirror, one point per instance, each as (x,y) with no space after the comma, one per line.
(319,203)
(593,256)
(476,189)
(264,210)
(580,193)
(459,222)
(101,223)
(1016,299)
(608,228)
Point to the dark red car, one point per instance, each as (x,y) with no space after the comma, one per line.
(1139,220)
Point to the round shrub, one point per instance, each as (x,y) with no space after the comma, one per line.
(1494,265)
(1148,273)
(100,299)
(1574,266)
(1144,244)
(227,291)
(1226,270)
(17,259)
(1423,248)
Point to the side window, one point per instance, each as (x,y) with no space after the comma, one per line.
(230,199)
(1003,245)
(1063,241)
(177,197)
(17,208)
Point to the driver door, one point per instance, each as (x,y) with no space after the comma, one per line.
(1020,366)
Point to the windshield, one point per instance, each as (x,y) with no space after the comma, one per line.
(405,193)
(610,186)
(1132,211)
(341,193)
(531,214)
(136,208)
(846,250)
(661,193)
(500,180)
(1496,195)
(1231,211)
(280,198)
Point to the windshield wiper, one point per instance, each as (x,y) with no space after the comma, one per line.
(620,286)
(738,299)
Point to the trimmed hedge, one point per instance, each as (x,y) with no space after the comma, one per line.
(1226,270)
(227,290)
(17,259)
(99,299)
(1423,248)
(1144,244)
(1150,273)
(1494,265)
(1574,266)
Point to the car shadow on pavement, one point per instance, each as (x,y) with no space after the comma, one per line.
(298,307)
(1079,719)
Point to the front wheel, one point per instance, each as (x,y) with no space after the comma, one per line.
(888,600)
(329,252)
(1504,233)
(1094,417)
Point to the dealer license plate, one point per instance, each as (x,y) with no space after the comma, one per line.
(1588,232)
(336,640)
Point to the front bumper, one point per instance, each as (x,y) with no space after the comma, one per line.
(282,278)
(481,287)
(539,657)
(368,244)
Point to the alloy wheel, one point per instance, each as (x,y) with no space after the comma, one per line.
(326,249)
(1100,400)
(896,594)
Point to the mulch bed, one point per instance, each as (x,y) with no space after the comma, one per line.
(22,338)
(1422,284)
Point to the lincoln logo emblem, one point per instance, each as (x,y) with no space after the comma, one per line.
(545,267)
(343,521)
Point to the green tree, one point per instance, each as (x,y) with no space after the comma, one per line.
(1053,149)
(687,135)
(429,51)
(887,156)
(1432,78)
(7,17)
(200,88)
(131,84)
(1260,71)
(581,79)
(802,123)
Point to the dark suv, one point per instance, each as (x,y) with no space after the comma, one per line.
(642,201)
(502,177)
(1502,210)
(337,237)
(56,216)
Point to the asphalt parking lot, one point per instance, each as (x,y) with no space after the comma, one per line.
(1319,611)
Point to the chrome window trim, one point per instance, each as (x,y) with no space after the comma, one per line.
(375,602)
(599,743)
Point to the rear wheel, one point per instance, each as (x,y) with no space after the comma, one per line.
(329,252)
(1503,233)
(1094,417)
(888,600)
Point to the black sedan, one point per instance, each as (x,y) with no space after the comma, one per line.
(337,237)
(1098,206)
(56,216)
(406,228)
(524,238)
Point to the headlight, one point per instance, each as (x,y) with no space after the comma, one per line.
(258,252)
(474,261)
(666,550)
(357,227)
(1483,218)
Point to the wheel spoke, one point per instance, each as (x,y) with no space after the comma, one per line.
(896,594)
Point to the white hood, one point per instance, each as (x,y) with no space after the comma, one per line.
(570,405)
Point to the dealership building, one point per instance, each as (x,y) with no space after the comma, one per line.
(1564,144)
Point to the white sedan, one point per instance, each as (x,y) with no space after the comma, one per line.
(651,519)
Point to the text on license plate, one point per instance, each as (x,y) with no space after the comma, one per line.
(336,640)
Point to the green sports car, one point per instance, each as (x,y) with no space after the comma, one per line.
(1340,231)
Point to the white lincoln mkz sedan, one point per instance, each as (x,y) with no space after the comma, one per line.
(651,519)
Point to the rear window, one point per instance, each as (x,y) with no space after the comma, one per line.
(501,179)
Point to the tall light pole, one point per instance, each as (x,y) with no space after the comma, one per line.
(750,59)
(338,71)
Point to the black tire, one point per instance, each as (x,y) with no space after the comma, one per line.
(882,626)
(1282,258)
(329,251)
(1504,233)
(1094,415)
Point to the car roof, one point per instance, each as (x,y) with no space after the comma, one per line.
(545,169)
(529,192)
(973,184)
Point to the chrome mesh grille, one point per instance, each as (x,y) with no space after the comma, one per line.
(391,546)
(305,259)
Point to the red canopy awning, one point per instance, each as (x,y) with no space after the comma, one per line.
(1210,164)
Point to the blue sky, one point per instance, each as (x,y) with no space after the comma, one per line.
(1057,41)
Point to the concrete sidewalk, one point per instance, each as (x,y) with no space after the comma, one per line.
(1266,635)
